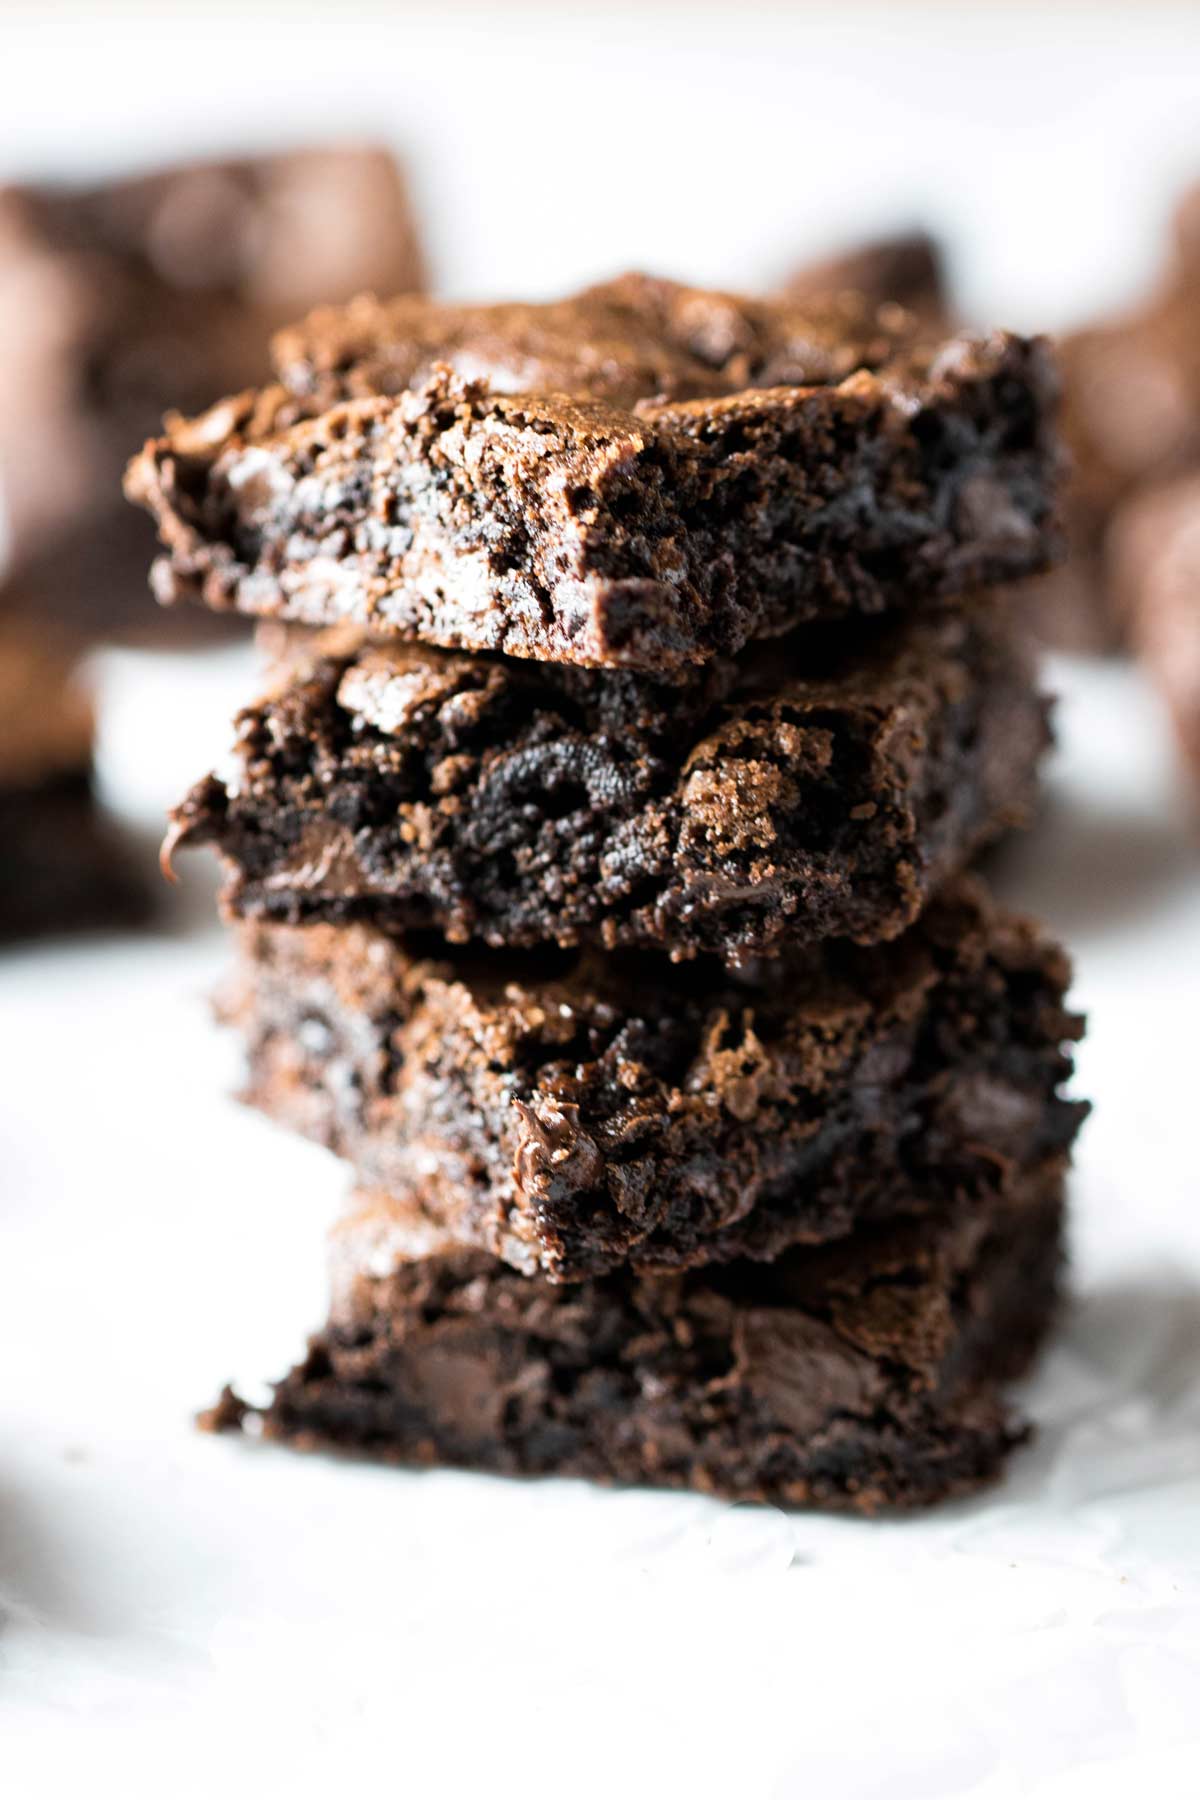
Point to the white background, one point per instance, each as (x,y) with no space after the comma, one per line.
(183,1615)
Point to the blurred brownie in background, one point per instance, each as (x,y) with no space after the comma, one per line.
(1155,557)
(1131,420)
(906,270)
(117,302)
(62,866)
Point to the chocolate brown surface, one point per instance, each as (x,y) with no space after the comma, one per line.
(802,792)
(121,301)
(572,1114)
(644,476)
(864,1377)
(1155,554)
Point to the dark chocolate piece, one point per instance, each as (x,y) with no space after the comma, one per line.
(627,1111)
(862,1377)
(644,477)
(785,796)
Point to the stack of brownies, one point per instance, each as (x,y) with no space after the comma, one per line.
(598,857)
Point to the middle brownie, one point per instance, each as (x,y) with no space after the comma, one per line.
(625,1111)
(822,787)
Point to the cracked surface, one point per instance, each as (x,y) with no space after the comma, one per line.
(644,476)
(788,795)
(863,1377)
(608,1110)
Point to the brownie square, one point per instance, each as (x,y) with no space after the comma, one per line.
(864,1376)
(643,476)
(795,793)
(621,1111)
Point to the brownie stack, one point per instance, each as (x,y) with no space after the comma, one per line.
(597,856)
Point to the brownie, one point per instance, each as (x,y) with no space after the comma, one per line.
(1155,553)
(573,1114)
(784,795)
(62,865)
(905,270)
(1131,421)
(644,476)
(862,1377)
(120,301)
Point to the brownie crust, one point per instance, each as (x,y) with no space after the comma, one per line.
(862,1377)
(779,797)
(622,1111)
(796,470)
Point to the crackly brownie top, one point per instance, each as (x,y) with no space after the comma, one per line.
(635,338)
(640,476)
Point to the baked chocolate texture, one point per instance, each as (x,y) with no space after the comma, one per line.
(625,1111)
(644,476)
(794,793)
(124,300)
(863,1377)
(63,867)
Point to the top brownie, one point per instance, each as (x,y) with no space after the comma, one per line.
(643,476)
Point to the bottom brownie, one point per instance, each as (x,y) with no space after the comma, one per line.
(861,1376)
